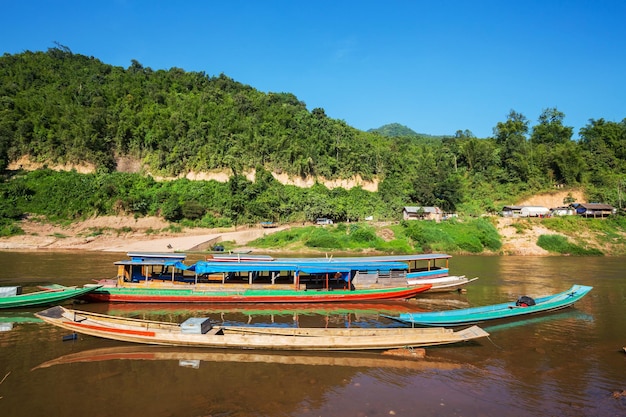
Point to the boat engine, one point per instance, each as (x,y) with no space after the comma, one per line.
(525,301)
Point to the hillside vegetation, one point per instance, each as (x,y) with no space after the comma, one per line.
(60,108)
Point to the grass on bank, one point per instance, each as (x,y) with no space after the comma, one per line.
(560,244)
(453,236)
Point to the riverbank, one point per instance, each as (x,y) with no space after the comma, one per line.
(125,234)
(152,234)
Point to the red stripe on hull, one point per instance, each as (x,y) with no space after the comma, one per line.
(110,329)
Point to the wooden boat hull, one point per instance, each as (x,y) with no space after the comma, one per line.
(499,311)
(245,337)
(53,294)
(171,294)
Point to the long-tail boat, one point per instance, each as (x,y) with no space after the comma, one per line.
(12,297)
(154,278)
(199,332)
(523,306)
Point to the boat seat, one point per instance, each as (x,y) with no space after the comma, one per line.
(78,318)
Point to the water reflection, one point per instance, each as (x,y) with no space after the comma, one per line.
(290,315)
(158,353)
(565,363)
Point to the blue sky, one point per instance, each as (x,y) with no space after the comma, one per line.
(435,66)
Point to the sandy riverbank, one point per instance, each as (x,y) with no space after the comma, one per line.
(125,234)
(150,234)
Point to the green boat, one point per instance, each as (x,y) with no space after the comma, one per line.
(522,307)
(11,297)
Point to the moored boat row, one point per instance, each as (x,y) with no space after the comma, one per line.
(224,280)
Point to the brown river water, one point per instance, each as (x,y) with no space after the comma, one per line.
(566,363)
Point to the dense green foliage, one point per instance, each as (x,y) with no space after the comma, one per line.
(68,195)
(61,107)
(394,130)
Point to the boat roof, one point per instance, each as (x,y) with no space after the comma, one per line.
(202,267)
(151,258)
(156,255)
(149,262)
(235,257)
(382,258)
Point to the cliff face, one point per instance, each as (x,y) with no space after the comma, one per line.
(126,164)
(554,199)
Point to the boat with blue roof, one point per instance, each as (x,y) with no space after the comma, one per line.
(156,277)
(422,269)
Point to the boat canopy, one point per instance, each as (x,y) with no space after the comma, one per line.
(153,259)
(368,259)
(139,256)
(205,267)
(150,262)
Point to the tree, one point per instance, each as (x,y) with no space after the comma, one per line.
(550,130)
(606,143)
(516,155)
(568,163)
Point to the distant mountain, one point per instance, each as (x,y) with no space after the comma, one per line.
(393,130)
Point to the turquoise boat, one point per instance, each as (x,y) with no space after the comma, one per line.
(522,307)
(53,294)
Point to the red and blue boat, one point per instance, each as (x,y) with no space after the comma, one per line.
(165,278)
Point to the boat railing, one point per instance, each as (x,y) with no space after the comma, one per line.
(380,279)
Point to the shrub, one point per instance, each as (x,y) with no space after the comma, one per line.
(362,234)
(192,210)
(560,244)
(323,238)
(10,229)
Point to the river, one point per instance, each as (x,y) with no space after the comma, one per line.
(566,363)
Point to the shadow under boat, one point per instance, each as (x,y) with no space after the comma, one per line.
(190,357)
(511,323)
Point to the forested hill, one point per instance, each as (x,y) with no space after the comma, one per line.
(394,130)
(59,107)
